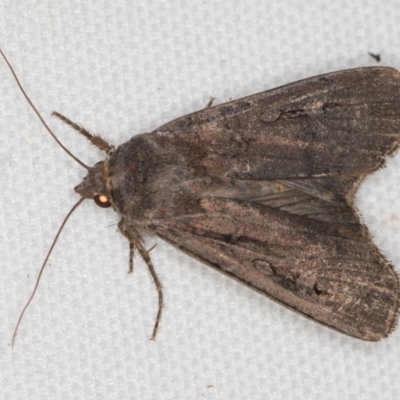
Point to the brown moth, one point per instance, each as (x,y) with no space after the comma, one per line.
(262,188)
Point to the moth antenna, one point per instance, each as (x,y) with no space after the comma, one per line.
(96,140)
(42,268)
(39,116)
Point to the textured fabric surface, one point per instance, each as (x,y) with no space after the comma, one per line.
(121,68)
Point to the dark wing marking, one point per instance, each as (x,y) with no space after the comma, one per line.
(327,274)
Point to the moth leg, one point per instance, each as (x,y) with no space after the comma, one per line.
(152,247)
(136,241)
(146,258)
(96,140)
(210,102)
(124,231)
(131,253)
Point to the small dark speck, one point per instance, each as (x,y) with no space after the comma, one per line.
(377,57)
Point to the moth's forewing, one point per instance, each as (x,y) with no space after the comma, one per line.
(274,209)
(335,124)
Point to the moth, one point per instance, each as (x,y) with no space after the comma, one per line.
(262,190)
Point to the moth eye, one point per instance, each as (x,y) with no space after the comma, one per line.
(102,201)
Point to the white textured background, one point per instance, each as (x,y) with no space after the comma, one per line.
(125,67)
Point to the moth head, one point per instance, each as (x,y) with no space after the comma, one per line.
(94,186)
